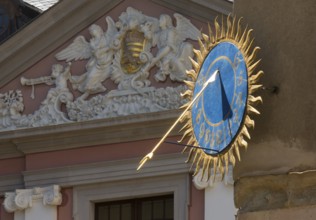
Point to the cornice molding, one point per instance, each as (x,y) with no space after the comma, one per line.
(88,133)
(9,150)
(109,171)
(10,183)
(62,21)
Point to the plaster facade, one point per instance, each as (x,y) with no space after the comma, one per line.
(276,176)
(94,160)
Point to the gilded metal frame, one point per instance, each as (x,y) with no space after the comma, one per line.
(231,31)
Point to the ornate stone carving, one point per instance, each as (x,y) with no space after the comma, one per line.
(202,182)
(50,110)
(11,107)
(22,199)
(135,50)
(99,50)
(120,103)
(173,52)
(51,195)
(124,54)
(9,202)
(127,53)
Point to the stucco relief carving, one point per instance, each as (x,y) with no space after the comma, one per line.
(99,50)
(124,54)
(11,108)
(127,53)
(202,182)
(120,104)
(9,202)
(173,52)
(50,109)
(22,199)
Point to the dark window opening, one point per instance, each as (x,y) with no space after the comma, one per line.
(152,208)
(13,16)
(16,14)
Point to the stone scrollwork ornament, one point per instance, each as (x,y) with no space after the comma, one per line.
(9,202)
(203,182)
(123,53)
(127,53)
(23,199)
(51,195)
(11,108)
(135,51)
(114,105)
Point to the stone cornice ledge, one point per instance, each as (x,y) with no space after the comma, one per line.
(89,133)
(10,183)
(57,25)
(107,171)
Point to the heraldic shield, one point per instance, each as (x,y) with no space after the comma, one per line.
(133,45)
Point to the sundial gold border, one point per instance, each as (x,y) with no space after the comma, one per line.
(229,31)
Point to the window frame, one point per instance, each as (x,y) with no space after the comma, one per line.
(136,204)
(85,197)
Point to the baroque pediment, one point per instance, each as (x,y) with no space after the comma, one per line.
(137,53)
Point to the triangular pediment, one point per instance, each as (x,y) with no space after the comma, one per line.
(67,18)
(96,62)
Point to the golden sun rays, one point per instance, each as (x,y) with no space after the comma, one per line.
(229,31)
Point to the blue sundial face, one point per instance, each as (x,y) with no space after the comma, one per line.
(218,113)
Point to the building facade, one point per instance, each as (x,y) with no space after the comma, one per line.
(81,106)
(90,87)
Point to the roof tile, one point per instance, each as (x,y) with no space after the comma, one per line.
(42,5)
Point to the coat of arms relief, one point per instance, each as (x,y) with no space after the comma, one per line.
(128,53)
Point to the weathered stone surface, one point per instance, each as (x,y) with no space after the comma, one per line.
(284,136)
(306,213)
(270,192)
(266,186)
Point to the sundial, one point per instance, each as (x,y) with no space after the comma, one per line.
(221,93)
